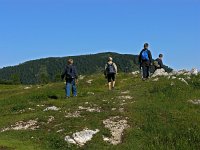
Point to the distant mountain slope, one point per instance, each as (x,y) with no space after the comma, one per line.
(49,69)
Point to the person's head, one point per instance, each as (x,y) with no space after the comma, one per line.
(110,59)
(70,61)
(160,56)
(146,45)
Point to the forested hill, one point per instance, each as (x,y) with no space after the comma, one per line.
(49,69)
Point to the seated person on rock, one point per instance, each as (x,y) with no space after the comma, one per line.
(158,63)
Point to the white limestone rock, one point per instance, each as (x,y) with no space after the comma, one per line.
(54,108)
(82,137)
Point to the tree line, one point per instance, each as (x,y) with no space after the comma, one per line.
(49,69)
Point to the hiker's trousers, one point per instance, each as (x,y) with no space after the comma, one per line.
(71,84)
(145,70)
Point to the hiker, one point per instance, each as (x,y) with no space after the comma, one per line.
(158,63)
(71,77)
(145,61)
(110,73)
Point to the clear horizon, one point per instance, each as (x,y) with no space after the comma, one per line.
(37,29)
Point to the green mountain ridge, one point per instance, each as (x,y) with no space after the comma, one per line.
(49,69)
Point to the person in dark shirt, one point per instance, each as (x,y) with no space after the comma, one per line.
(110,72)
(159,62)
(145,61)
(71,76)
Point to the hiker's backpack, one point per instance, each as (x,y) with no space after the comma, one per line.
(110,68)
(156,64)
(69,73)
(145,55)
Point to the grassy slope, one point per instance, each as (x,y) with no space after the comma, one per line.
(159,114)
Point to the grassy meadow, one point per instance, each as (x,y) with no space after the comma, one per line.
(159,114)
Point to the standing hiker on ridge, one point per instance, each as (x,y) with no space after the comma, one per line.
(110,73)
(145,61)
(71,77)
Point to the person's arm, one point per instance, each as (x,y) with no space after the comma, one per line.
(150,57)
(161,64)
(64,73)
(75,73)
(106,65)
(140,60)
(115,67)
(105,71)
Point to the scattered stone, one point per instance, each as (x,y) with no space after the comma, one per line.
(61,130)
(97,109)
(125,92)
(113,109)
(187,74)
(57,125)
(90,93)
(51,118)
(180,72)
(70,140)
(75,114)
(40,105)
(122,104)
(183,80)
(31,109)
(21,125)
(196,102)
(82,137)
(172,73)
(51,108)
(27,87)
(135,72)
(81,77)
(89,81)
(173,77)
(106,139)
(160,72)
(194,71)
(172,84)
(121,110)
(22,111)
(116,127)
(125,97)
(156,79)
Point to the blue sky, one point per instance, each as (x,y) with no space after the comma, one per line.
(31,29)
